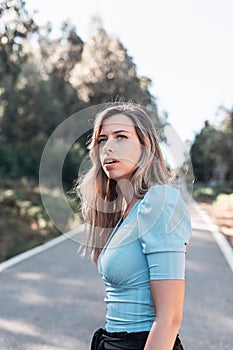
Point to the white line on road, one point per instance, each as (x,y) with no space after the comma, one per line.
(218,236)
(31,252)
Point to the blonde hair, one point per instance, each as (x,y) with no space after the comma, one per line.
(102,205)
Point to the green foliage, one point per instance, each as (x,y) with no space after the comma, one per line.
(203,153)
(16,25)
(226,143)
(23,221)
(72,164)
(41,98)
(8,161)
(204,193)
(212,153)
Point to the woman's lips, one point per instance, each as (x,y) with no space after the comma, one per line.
(110,163)
(110,166)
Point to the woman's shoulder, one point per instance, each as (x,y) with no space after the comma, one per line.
(169,189)
(161,194)
(163,205)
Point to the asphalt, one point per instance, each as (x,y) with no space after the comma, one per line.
(55,299)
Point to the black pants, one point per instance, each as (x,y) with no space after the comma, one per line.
(103,340)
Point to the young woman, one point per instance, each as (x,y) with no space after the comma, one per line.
(138,228)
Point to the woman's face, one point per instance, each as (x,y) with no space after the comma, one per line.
(119,147)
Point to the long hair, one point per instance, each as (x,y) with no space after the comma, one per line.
(102,202)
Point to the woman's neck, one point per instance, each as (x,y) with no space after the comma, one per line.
(129,207)
(127,191)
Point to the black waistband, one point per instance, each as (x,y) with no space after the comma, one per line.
(128,335)
(118,340)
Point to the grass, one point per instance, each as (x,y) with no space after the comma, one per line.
(24,223)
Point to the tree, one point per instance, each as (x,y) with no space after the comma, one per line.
(225,148)
(38,99)
(15,27)
(212,151)
(107,73)
(203,153)
(58,57)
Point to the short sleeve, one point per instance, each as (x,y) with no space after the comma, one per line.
(163,220)
(164,231)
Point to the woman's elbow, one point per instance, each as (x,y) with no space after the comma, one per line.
(171,320)
(177,320)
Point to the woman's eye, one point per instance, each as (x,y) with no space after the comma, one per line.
(120,137)
(101,141)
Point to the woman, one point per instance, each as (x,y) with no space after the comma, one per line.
(138,229)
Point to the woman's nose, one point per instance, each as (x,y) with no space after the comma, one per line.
(108,147)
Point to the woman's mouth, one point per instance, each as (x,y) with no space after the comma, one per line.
(110,163)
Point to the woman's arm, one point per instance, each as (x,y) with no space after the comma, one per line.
(168,299)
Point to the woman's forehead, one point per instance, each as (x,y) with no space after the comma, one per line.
(117,121)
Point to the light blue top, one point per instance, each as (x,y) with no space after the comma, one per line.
(150,244)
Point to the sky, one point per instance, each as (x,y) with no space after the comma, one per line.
(184,46)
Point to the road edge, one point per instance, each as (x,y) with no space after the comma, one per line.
(219,238)
(221,241)
(37,250)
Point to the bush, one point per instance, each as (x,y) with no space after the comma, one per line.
(24,223)
(205,193)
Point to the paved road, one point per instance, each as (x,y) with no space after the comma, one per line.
(208,314)
(54,300)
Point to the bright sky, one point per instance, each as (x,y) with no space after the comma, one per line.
(184,46)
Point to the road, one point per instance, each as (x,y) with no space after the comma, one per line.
(54,299)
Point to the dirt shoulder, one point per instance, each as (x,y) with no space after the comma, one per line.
(222,217)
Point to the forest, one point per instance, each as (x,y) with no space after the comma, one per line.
(43,81)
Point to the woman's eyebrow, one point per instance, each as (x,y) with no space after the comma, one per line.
(115,132)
